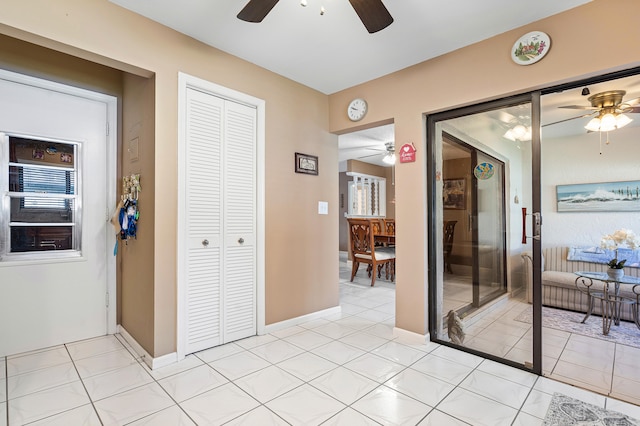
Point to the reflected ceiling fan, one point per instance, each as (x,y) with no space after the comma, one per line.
(373,14)
(608,109)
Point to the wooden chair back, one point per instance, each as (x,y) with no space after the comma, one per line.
(390,226)
(363,250)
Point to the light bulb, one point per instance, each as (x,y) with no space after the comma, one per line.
(389,159)
(593,125)
(622,120)
(607,122)
(303,3)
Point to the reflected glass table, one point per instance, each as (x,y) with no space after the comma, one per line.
(609,296)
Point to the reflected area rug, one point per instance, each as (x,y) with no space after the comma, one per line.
(626,333)
(567,411)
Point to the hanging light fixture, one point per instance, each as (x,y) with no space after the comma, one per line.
(607,121)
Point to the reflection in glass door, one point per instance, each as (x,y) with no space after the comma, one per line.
(481,174)
(488,224)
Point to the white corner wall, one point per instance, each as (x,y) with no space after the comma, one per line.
(578,160)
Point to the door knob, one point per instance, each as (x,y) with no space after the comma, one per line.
(205,242)
(241,241)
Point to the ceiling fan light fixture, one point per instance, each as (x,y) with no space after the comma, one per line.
(389,158)
(607,122)
(622,120)
(593,125)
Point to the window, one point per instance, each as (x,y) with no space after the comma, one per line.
(41,212)
(367,195)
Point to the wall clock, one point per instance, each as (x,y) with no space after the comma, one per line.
(357,109)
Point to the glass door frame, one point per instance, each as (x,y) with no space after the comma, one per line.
(433,264)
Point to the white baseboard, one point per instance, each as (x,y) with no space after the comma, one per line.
(151,362)
(410,336)
(299,320)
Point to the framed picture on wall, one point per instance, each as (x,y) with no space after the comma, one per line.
(453,194)
(599,197)
(307,164)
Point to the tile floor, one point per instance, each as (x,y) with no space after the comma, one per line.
(602,366)
(345,369)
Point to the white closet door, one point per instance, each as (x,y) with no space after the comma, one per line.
(220,211)
(240,222)
(203,298)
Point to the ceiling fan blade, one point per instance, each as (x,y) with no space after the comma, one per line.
(579,107)
(256,10)
(568,119)
(373,14)
(372,155)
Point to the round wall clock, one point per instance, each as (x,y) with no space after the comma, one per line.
(530,48)
(357,109)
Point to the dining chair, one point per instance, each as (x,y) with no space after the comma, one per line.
(363,250)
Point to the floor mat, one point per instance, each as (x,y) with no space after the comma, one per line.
(567,411)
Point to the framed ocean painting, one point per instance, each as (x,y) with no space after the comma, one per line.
(599,197)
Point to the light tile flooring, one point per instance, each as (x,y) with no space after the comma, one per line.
(603,366)
(345,369)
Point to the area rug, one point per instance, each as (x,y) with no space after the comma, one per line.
(626,333)
(567,411)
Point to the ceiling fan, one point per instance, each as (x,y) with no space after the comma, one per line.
(373,14)
(608,110)
(389,153)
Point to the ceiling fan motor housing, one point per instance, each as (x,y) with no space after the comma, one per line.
(609,99)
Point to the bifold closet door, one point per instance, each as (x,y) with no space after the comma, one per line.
(220,221)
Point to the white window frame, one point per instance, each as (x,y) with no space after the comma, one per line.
(5,205)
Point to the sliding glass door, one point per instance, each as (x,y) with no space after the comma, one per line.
(481,174)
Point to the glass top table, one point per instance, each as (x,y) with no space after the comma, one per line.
(611,301)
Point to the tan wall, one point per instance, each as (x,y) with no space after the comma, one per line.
(475,73)
(301,260)
(136,295)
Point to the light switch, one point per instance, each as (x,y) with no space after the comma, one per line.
(323,207)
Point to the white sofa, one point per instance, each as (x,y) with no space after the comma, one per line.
(559,288)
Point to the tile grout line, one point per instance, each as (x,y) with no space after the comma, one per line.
(66,348)
(140,360)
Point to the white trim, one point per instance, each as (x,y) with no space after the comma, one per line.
(187,81)
(111,167)
(416,338)
(302,319)
(151,362)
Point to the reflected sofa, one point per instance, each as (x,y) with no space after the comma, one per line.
(559,289)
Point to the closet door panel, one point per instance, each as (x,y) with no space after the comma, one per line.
(239,224)
(204,220)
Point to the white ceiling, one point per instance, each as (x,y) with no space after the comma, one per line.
(333,52)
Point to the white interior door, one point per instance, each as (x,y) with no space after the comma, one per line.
(45,302)
(219,291)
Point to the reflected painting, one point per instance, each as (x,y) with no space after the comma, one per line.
(599,197)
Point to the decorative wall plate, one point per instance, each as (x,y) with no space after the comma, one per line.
(530,48)
(484,171)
